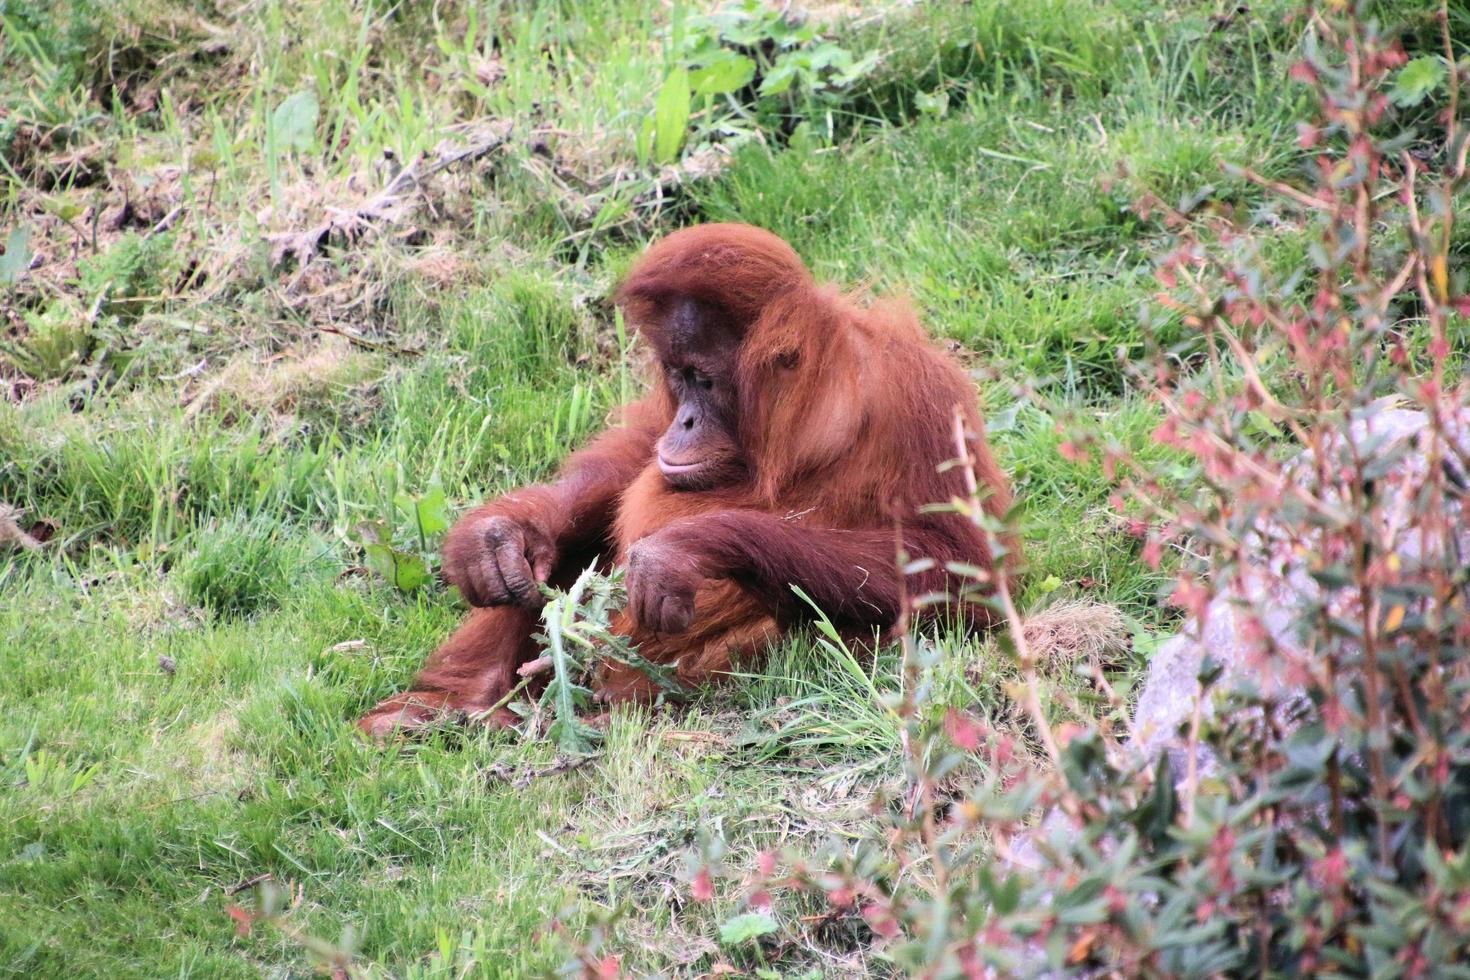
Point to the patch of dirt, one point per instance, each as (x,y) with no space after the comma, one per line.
(81,222)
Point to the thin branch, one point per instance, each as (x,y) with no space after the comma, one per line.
(1030,681)
(1286,190)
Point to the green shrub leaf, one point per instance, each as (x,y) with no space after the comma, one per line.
(743,928)
(1417,80)
(294,122)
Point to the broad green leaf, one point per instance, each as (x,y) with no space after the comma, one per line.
(433,511)
(722,77)
(406,572)
(294,122)
(743,928)
(410,572)
(63,207)
(380,560)
(860,68)
(830,56)
(671,116)
(17,257)
(705,49)
(788,33)
(430,513)
(780,78)
(1417,80)
(935,104)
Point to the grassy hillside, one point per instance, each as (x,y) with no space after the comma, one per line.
(287,265)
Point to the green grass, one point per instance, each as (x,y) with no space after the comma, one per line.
(184,658)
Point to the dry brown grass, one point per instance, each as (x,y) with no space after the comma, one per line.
(287,383)
(1077,630)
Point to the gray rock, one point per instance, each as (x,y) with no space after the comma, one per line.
(1250,628)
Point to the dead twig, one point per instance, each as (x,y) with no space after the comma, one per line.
(12,533)
(240,886)
(538,666)
(362,341)
(384,207)
(520,779)
(164,223)
(1286,190)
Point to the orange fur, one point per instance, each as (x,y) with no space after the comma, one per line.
(845,419)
